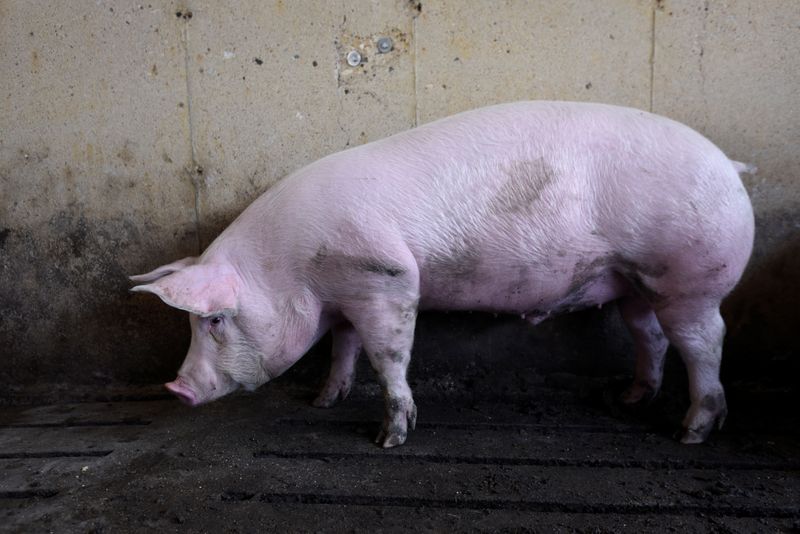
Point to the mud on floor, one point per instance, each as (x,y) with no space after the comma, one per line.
(552,460)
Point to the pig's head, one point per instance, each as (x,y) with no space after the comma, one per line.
(234,342)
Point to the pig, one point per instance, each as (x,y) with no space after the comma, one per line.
(531,208)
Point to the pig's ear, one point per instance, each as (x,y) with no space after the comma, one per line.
(202,289)
(164,270)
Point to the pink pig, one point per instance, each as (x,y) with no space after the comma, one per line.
(532,208)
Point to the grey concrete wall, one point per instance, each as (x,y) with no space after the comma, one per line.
(132,132)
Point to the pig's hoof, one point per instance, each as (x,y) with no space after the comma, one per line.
(394,433)
(331,395)
(693,436)
(325,400)
(638,394)
(703,423)
(391,437)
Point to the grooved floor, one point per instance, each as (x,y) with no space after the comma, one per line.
(270,462)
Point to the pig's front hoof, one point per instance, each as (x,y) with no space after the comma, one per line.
(391,438)
(331,395)
(395,431)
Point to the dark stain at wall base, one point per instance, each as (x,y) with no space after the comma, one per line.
(761,315)
(4,233)
(67,316)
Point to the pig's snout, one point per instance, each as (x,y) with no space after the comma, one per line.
(180,389)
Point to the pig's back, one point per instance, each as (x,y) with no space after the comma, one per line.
(551,171)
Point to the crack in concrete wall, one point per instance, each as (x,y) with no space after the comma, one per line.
(415,51)
(193,175)
(337,61)
(656,7)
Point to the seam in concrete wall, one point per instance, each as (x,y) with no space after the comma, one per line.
(193,171)
(701,67)
(415,41)
(337,61)
(656,7)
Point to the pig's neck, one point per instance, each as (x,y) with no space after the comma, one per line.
(302,325)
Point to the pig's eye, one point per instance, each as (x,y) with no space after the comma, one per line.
(216,320)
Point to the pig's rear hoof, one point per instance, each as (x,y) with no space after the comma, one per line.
(326,400)
(710,412)
(694,436)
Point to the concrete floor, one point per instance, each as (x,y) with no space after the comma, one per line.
(551,460)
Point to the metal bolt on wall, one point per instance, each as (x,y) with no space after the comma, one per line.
(385,45)
(354,58)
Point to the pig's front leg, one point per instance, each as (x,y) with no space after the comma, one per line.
(344,354)
(386,327)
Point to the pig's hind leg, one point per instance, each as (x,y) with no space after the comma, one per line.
(650,345)
(696,328)
(344,354)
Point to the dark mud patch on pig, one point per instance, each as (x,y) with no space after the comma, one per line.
(714,403)
(641,288)
(460,261)
(352,267)
(586,273)
(526,180)
(716,271)
(398,356)
(325,258)
(374,266)
(407,312)
(320,256)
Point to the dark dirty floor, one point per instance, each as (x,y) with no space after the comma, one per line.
(554,459)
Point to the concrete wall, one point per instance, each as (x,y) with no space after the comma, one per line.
(132,132)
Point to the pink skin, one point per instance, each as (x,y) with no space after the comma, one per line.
(345,351)
(179,388)
(532,208)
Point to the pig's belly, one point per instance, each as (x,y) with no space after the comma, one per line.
(534,295)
